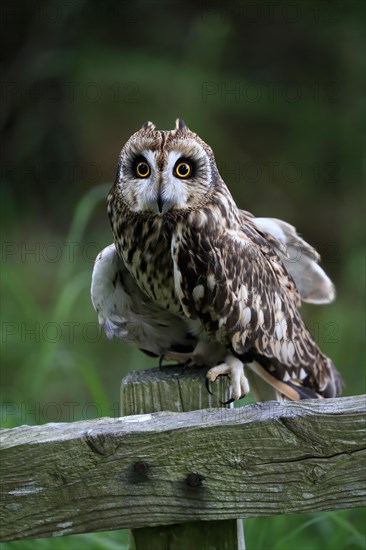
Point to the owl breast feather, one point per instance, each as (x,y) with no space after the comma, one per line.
(145,249)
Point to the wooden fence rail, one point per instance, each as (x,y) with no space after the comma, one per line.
(168,467)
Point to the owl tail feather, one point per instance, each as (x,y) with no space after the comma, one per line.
(266,387)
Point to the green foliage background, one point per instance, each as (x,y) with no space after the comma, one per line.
(276,88)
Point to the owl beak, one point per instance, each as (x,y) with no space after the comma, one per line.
(160,202)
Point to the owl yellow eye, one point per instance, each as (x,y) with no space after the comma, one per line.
(183,170)
(143,170)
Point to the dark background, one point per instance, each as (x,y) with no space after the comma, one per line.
(276,88)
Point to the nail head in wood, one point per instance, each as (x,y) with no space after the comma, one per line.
(194,480)
(141,468)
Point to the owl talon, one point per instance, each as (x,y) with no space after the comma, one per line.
(208,388)
(234,369)
(228,402)
(231,400)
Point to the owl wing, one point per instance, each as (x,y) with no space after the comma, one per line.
(110,297)
(126,313)
(235,283)
(299,258)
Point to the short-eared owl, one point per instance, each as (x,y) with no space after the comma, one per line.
(192,276)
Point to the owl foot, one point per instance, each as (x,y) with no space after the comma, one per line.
(205,354)
(193,362)
(234,369)
(185,360)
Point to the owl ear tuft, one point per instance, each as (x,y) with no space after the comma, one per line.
(148,126)
(180,124)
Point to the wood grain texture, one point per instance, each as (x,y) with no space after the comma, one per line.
(175,390)
(170,389)
(262,459)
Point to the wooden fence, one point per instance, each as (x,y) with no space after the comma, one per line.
(202,469)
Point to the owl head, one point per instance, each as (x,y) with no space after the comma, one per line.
(164,171)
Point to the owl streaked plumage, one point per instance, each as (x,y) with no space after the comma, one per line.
(191,275)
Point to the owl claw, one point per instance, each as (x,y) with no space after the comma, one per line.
(231,400)
(234,369)
(228,402)
(208,388)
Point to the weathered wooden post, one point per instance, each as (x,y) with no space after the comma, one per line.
(175,390)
